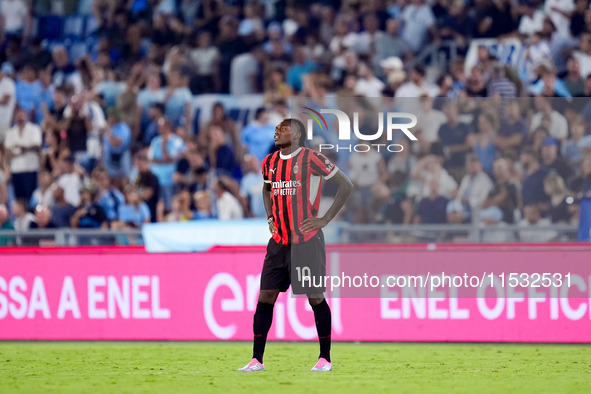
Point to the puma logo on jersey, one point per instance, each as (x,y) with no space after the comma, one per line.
(273,170)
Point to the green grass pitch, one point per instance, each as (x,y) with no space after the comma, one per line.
(175,367)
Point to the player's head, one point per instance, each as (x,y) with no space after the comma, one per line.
(290,132)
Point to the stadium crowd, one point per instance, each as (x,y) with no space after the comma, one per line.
(107,139)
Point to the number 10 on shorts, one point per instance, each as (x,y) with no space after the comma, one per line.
(304,275)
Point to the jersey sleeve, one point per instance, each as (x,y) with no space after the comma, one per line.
(320,165)
(265,169)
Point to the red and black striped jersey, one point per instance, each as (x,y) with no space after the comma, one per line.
(296,181)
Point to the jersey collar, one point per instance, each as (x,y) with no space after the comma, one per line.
(292,154)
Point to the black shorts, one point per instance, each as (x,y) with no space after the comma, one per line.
(303,266)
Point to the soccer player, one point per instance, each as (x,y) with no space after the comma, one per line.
(291,193)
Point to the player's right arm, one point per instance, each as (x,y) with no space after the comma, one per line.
(267,190)
(269,205)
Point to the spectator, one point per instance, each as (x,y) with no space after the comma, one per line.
(577,20)
(28,91)
(453,138)
(178,98)
(147,184)
(513,130)
(62,211)
(504,193)
(179,212)
(572,150)
(403,161)
(537,56)
(533,180)
(258,135)
(43,218)
(496,19)
(251,186)
(343,39)
(367,84)
(54,114)
(116,148)
(15,18)
(549,85)
(558,125)
(5,224)
(126,105)
(221,119)
(89,213)
(532,20)
(499,85)
(63,71)
(3,180)
(155,113)
(455,213)
(7,103)
(366,42)
(184,175)
(23,144)
(562,207)
(432,209)
(50,154)
(552,161)
(390,44)
(418,21)
(573,80)
(366,169)
(69,180)
(474,187)
(134,212)
(483,142)
(152,94)
(230,45)
(429,120)
(244,72)
(206,59)
(476,84)
(109,198)
(301,66)
(581,184)
(23,219)
(535,228)
(417,86)
(559,11)
(276,89)
(537,139)
(43,195)
(278,112)
(163,153)
(78,125)
(429,168)
(492,218)
(228,207)
(220,156)
(202,205)
(583,55)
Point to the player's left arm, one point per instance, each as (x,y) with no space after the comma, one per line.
(345,187)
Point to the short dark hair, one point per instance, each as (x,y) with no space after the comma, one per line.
(159,106)
(419,69)
(301,129)
(259,112)
(529,150)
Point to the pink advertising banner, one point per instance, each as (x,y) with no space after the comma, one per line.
(212,296)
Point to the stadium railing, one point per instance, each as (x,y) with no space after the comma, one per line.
(71,237)
(345,234)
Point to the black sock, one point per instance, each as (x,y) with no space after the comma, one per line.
(323,319)
(263,317)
